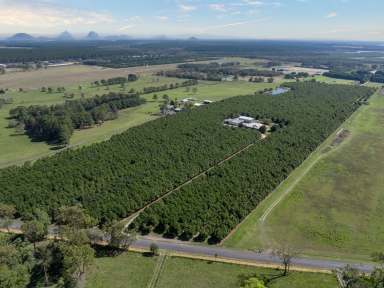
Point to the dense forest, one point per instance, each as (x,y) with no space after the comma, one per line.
(113,54)
(360,75)
(378,77)
(115,178)
(127,53)
(215,71)
(212,206)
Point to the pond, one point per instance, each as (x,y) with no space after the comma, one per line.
(279,90)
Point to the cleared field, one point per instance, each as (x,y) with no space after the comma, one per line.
(334,201)
(128,270)
(18,148)
(329,80)
(68,75)
(123,271)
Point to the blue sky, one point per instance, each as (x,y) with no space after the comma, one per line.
(266,19)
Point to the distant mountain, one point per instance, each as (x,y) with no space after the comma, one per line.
(92,36)
(21,37)
(65,36)
(193,39)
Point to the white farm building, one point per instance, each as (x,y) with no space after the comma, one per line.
(244,121)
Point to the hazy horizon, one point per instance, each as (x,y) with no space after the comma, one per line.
(225,19)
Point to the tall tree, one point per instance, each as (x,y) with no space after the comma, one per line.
(77,258)
(286,254)
(34,231)
(7,213)
(44,257)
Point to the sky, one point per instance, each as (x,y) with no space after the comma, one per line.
(256,19)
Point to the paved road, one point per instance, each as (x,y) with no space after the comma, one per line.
(249,256)
(225,253)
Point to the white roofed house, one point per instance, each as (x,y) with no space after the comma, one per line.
(233,122)
(246,119)
(253,125)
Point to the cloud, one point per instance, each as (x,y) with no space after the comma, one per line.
(218,7)
(162,18)
(127,27)
(187,8)
(253,2)
(230,25)
(135,19)
(331,15)
(45,15)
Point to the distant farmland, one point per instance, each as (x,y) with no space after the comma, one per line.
(68,75)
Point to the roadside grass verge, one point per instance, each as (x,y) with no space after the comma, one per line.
(134,270)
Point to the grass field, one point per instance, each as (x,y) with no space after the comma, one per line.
(333,203)
(129,270)
(136,271)
(329,80)
(16,148)
(68,75)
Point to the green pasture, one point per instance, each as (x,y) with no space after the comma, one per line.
(331,206)
(136,271)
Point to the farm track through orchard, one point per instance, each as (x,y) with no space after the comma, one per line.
(129,220)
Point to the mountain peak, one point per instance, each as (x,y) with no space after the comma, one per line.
(65,36)
(92,35)
(21,37)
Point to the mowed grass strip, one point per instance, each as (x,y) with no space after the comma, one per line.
(134,270)
(336,208)
(127,270)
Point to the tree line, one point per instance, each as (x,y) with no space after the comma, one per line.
(117,80)
(210,207)
(360,75)
(55,124)
(215,71)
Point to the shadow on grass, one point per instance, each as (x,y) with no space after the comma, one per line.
(267,278)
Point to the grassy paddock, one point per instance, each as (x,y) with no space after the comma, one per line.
(336,208)
(68,75)
(134,270)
